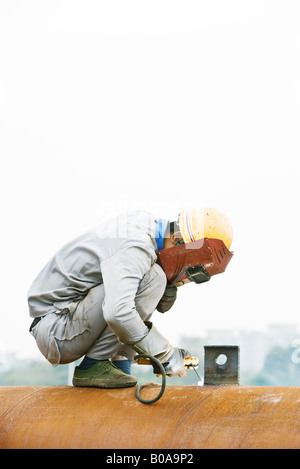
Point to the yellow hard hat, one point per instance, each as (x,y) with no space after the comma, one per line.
(206,222)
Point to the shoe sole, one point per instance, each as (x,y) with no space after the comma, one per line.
(90,383)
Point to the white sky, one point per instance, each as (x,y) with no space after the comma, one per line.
(108,106)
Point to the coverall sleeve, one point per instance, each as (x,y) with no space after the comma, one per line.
(122,274)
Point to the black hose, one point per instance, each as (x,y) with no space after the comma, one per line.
(163,382)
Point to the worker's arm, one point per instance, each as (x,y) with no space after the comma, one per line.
(122,274)
(158,346)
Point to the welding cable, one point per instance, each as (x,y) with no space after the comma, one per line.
(154,361)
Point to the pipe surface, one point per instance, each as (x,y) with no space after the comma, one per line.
(186,417)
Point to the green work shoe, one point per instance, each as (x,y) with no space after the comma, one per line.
(103,375)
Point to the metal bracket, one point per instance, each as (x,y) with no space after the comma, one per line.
(221,364)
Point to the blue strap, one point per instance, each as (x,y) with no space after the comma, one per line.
(160,231)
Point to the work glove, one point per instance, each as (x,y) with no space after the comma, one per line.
(175,365)
(155,344)
(167,300)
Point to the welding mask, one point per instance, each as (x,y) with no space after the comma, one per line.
(194,261)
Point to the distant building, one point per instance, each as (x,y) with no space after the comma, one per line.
(255,345)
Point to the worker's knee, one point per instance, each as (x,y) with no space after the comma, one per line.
(160,280)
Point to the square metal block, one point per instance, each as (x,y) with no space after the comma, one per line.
(221,364)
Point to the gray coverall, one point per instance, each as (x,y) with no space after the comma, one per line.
(96,292)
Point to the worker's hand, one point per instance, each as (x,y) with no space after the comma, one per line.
(175,365)
(167,300)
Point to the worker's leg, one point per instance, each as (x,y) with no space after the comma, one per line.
(90,371)
(63,338)
(84,328)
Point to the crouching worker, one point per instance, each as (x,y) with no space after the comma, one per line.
(95,297)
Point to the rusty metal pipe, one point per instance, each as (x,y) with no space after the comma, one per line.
(188,417)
